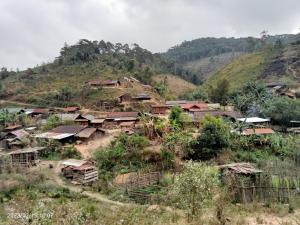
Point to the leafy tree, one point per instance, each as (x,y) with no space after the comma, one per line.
(220,93)
(4,73)
(52,122)
(195,187)
(282,110)
(214,137)
(250,98)
(175,116)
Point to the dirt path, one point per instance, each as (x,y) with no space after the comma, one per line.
(54,174)
(88,149)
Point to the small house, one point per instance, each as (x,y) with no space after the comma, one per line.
(84,119)
(114,119)
(64,134)
(105,83)
(159,109)
(244,169)
(191,107)
(86,134)
(142,97)
(125,98)
(37,112)
(80,171)
(25,157)
(14,139)
(97,123)
(73,109)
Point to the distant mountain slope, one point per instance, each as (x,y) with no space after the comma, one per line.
(263,66)
(194,59)
(210,65)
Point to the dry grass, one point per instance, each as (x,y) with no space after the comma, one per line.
(176,85)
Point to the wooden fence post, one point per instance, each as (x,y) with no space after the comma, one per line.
(244,194)
(253,192)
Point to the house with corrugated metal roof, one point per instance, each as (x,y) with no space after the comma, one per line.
(114,119)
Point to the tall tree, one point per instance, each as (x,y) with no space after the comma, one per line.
(220,93)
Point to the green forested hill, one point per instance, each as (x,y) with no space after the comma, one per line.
(63,82)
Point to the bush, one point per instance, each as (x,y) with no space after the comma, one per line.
(282,110)
(214,137)
(167,159)
(70,152)
(195,187)
(52,122)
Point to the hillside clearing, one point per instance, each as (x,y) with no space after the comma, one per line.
(176,85)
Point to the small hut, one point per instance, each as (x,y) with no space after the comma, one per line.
(25,157)
(80,171)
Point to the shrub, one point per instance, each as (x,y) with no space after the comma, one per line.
(52,122)
(70,152)
(167,159)
(195,187)
(214,137)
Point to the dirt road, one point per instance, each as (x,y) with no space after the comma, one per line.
(87,149)
(54,174)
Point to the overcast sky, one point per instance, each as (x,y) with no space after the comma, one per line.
(33,31)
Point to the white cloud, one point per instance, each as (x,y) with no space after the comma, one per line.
(33,31)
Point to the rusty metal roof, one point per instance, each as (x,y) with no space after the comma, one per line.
(258,131)
(20,133)
(71,129)
(241,168)
(86,133)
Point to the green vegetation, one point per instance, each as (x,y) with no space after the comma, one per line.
(244,69)
(122,156)
(214,137)
(282,110)
(220,92)
(195,187)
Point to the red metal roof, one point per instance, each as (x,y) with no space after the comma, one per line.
(40,111)
(190,106)
(71,109)
(13,127)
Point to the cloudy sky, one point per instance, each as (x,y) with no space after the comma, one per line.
(33,31)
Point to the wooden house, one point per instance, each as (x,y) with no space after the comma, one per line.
(84,119)
(125,98)
(15,138)
(73,109)
(80,171)
(86,134)
(97,123)
(114,119)
(105,83)
(63,134)
(194,107)
(159,109)
(37,112)
(26,156)
(142,97)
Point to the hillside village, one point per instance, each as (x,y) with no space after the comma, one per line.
(108,128)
